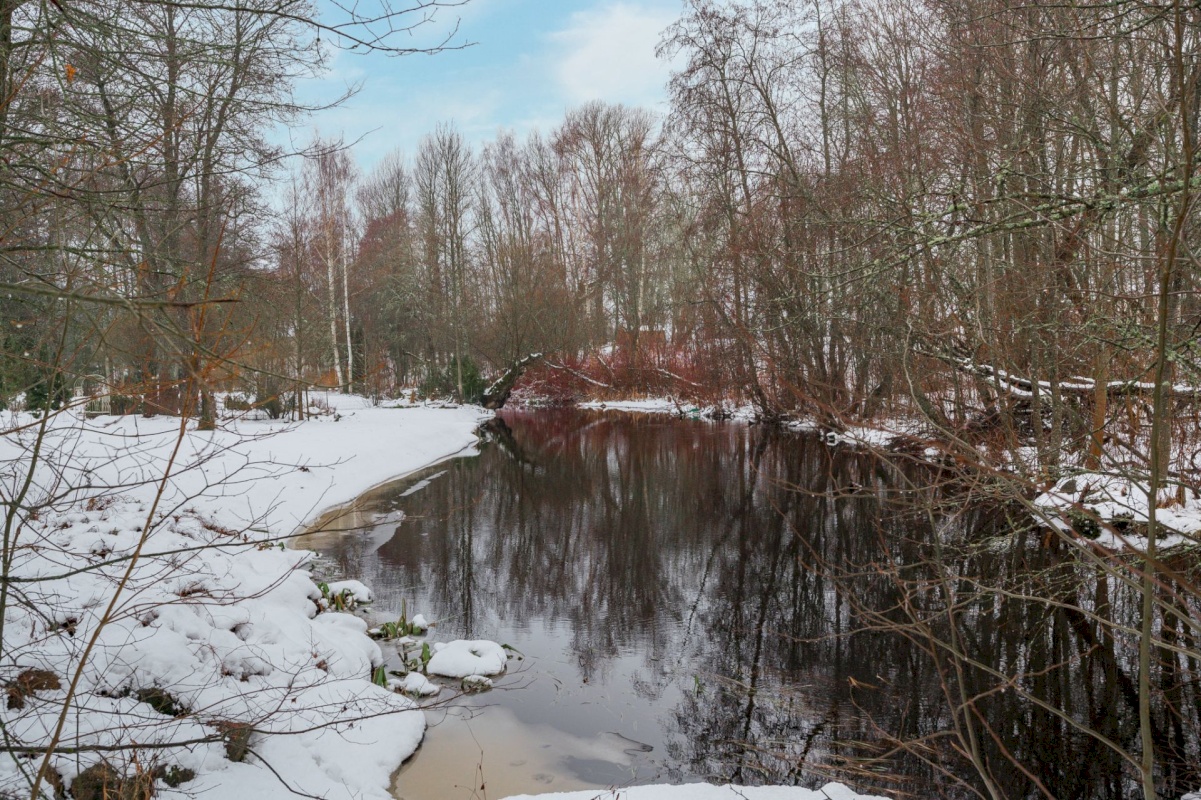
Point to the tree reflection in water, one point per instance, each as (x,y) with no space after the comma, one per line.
(689,565)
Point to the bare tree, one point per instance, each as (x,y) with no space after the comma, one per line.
(444,175)
(331,178)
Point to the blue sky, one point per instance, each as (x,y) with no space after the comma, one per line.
(531,61)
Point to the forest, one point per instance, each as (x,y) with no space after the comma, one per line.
(973,223)
(977,214)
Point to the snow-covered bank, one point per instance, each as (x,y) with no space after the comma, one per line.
(650,405)
(1102,506)
(274,475)
(704,791)
(883,434)
(675,407)
(187,638)
(1122,503)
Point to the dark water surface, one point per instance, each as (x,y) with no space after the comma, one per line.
(660,579)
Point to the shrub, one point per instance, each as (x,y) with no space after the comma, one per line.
(237,402)
(49,393)
(122,404)
(272,405)
(445,382)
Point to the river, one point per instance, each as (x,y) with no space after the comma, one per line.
(686,599)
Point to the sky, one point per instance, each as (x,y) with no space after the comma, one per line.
(529,61)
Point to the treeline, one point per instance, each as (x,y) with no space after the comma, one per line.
(979,214)
(431,269)
(137,146)
(971,212)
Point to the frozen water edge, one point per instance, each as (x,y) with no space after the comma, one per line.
(1114,499)
(703,791)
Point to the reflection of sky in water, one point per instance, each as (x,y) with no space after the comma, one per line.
(654,575)
(595,610)
(470,746)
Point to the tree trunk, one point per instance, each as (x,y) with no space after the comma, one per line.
(332,309)
(498,393)
(1096,441)
(348,387)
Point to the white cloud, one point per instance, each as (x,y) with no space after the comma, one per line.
(534,60)
(608,53)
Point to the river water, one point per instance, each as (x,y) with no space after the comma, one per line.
(682,596)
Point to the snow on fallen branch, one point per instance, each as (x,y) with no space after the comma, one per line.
(1018,386)
(576,373)
(673,376)
(497,394)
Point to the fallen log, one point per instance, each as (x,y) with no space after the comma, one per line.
(496,395)
(1023,387)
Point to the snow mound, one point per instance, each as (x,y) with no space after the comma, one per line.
(355,591)
(415,684)
(224,636)
(465,657)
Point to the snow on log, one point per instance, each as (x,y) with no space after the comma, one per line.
(580,375)
(1018,386)
(496,395)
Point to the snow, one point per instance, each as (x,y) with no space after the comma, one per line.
(477,683)
(463,658)
(1119,498)
(216,624)
(704,791)
(654,405)
(1003,379)
(419,623)
(674,406)
(418,685)
(268,475)
(356,592)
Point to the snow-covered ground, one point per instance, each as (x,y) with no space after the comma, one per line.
(1120,502)
(181,623)
(881,434)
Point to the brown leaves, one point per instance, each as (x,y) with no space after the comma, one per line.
(29,682)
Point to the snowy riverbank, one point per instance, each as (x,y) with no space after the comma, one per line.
(1100,505)
(184,633)
(182,638)
(883,433)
